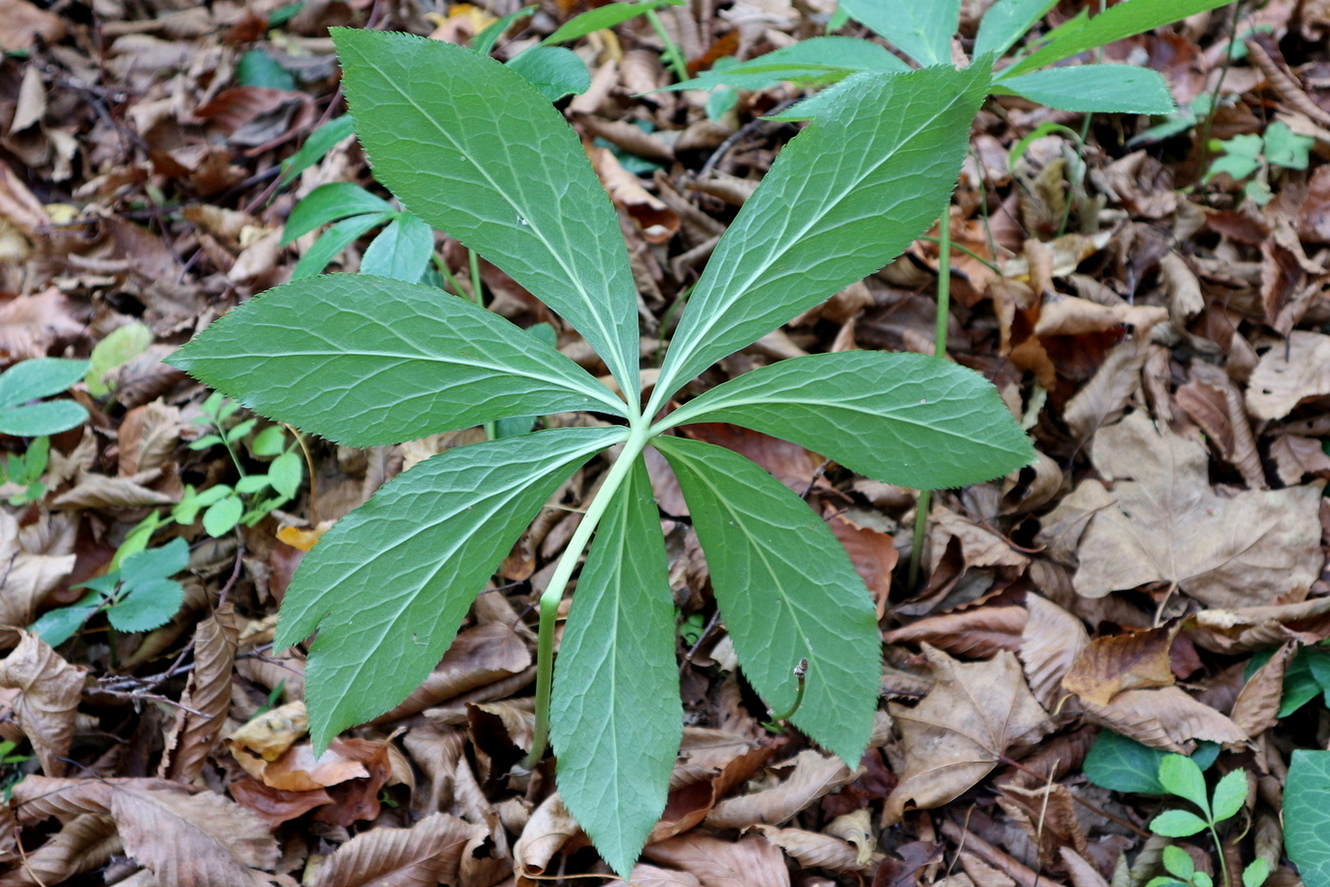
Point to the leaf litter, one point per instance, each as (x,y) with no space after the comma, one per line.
(1161,335)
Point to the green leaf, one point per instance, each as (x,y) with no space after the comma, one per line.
(387,586)
(1125,765)
(1254,875)
(331,242)
(222,516)
(285,473)
(787,591)
(147,605)
(845,197)
(483,43)
(1285,148)
(920,30)
(155,563)
(252,483)
(904,419)
(482,155)
(1006,22)
(1241,157)
(605,17)
(1108,89)
(257,68)
(1177,824)
(1307,815)
(1165,882)
(1230,795)
(616,719)
(57,626)
(40,377)
(817,59)
(319,143)
(42,418)
(401,251)
(387,361)
(1181,776)
(187,510)
(120,346)
(271,441)
(1116,23)
(1178,862)
(328,203)
(553,70)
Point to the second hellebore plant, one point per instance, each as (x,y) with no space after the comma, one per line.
(470,147)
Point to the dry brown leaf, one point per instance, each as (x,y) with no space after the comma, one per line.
(1082,873)
(49,693)
(748,862)
(710,764)
(549,830)
(424,855)
(1165,718)
(1296,457)
(1289,373)
(1108,392)
(208,692)
(148,437)
(1131,661)
(193,839)
(644,875)
(813,775)
(1214,403)
(27,578)
(980,545)
(1050,643)
(85,843)
(1073,316)
(22,24)
(268,735)
(653,216)
(813,850)
(976,632)
(99,491)
(29,325)
(1166,524)
(873,554)
(477,657)
(1257,707)
(1248,629)
(976,713)
(276,806)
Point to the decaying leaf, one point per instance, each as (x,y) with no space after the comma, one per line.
(1109,665)
(749,862)
(425,854)
(977,713)
(813,775)
(1288,374)
(49,693)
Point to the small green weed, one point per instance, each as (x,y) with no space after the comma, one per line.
(1252,157)
(1181,777)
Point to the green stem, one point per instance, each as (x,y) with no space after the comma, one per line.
(939,351)
(553,594)
(672,53)
(1223,863)
(992,266)
(800,675)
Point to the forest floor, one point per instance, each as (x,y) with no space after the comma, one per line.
(1150,302)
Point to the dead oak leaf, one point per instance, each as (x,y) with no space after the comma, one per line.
(976,713)
(1162,522)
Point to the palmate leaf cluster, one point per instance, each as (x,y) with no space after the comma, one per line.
(471,148)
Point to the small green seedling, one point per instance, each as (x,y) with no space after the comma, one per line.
(10,774)
(26,470)
(469,146)
(137,596)
(31,380)
(254,495)
(120,346)
(1181,777)
(1252,156)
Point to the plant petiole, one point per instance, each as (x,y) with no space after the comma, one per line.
(800,675)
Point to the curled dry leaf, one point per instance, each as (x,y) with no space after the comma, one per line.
(812,776)
(208,692)
(1109,390)
(27,578)
(1288,374)
(1050,642)
(1246,629)
(1163,717)
(644,875)
(710,765)
(267,736)
(148,437)
(30,324)
(813,850)
(49,693)
(1131,661)
(550,830)
(99,491)
(1257,707)
(749,862)
(426,854)
(976,713)
(1162,522)
(655,218)
(977,632)
(84,844)
(1047,814)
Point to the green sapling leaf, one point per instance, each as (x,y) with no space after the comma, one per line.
(120,346)
(222,516)
(553,70)
(334,240)
(787,591)
(1120,89)
(1006,22)
(920,30)
(1254,875)
(155,563)
(328,203)
(146,605)
(1178,862)
(401,251)
(388,585)
(1178,824)
(40,419)
(616,715)
(285,474)
(604,17)
(319,143)
(59,625)
(816,59)
(899,418)
(388,361)
(1230,795)
(1181,776)
(846,196)
(271,441)
(436,150)
(40,377)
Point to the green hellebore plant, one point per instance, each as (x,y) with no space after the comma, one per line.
(471,148)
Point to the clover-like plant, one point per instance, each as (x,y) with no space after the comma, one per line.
(469,146)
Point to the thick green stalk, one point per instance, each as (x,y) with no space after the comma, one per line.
(553,594)
(939,350)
